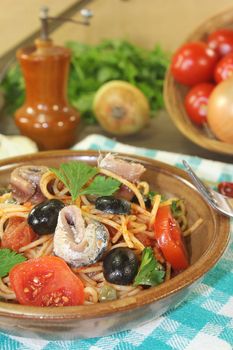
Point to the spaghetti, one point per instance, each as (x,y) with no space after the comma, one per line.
(134,231)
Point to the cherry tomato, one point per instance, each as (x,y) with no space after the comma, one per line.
(224,68)
(226,188)
(193,63)
(221,41)
(46,281)
(169,239)
(196,102)
(17,234)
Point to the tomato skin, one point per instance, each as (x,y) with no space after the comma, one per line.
(224,68)
(17,234)
(193,63)
(169,239)
(46,281)
(221,41)
(196,102)
(226,188)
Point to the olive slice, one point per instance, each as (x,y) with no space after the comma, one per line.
(112,205)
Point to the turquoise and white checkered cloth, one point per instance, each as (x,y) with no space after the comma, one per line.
(204,321)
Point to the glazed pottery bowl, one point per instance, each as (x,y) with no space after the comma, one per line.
(205,247)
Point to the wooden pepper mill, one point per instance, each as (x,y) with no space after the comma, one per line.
(46,117)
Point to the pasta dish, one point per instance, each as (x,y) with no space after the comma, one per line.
(79,234)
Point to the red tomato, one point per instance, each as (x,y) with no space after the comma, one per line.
(221,41)
(224,68)
(17,234)
(196,102)
(169,239)
(194,63)
(226,188)
(46,281)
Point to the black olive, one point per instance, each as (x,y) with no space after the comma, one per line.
(43,217)
(120,266)
(112,205)
(146,199)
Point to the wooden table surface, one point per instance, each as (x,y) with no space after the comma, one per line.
(160,134)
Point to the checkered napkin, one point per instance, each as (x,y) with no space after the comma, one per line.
(204,321)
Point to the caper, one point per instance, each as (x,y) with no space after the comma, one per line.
(107,293)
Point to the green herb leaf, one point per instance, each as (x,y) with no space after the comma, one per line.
(151,195)
(75,175)
(8,259)
(150,272)
(92,66)
(102,186)
(175,208)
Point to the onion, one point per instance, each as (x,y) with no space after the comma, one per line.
(121,108)
(220,111)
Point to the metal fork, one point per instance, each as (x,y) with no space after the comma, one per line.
(218,201)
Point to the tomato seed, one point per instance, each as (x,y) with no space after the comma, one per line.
(36,280)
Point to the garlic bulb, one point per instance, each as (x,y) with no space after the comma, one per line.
(11,146)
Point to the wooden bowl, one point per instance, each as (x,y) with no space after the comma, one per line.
(205,247)
(174,93)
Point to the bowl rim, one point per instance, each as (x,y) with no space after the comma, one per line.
(177,283)
(186,127)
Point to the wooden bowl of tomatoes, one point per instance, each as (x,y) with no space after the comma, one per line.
(198,88)
(204,248)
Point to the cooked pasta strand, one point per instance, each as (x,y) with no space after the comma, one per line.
(91,294)
(35,243)
(157,200)
(124,230)
(126,183)
(126,233)
(193,228)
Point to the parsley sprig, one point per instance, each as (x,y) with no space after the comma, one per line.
(150,272)
(175,208)
(8,259)
(76,177)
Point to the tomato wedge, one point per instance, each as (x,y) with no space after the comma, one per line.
(46,281)
(169,239)
(226,188)
(17,234)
